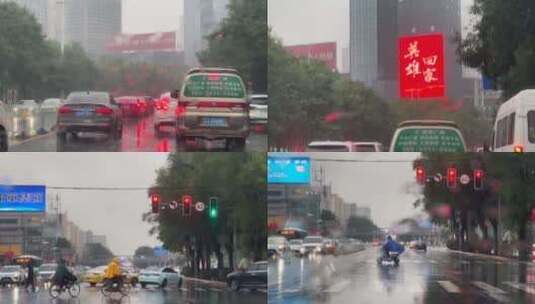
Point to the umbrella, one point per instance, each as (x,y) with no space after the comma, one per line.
(28,259)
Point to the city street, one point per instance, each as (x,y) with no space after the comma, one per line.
(138,136)
(189,293)
(438,276)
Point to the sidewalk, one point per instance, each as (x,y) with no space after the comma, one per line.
(482,255)
(209,283)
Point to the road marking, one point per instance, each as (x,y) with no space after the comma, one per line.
(338,287)
(524,287)
(449,286)
(493,292)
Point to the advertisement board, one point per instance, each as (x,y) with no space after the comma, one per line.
(421,67)
(324,52)
(288,170)
(162,41)
(27,198)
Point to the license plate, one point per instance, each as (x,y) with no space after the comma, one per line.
(84,113)
(213,122)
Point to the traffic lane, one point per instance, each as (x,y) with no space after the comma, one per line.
(434,277)
(138,136)
(190,293)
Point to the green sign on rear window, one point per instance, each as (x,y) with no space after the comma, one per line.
(215,86)
(428,140)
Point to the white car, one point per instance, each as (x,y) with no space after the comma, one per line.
(25,117)
(313,244)
(277,244)
(296,246)
(46,271)
(12,274)
(329,146)
(362,146)
(164,113)
(160,277)
(258,109)
(49,112)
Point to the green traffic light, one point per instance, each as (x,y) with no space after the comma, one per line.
(213,213)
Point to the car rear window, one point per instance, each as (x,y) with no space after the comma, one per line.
(259,101)
(97,97)
(531,126)
(214,85)
(331,148)
(429,140)
(364,148)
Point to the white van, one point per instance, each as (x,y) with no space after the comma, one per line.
(428,136)
(514,127)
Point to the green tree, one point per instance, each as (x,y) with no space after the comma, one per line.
(240,41)
(361,228)
(501,43)
(96,254)
(238,180)
(144,251)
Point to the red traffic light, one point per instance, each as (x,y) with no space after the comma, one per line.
(155,202)
(187,199)
(186,205)
(420,175)
(478,179)
(451,177)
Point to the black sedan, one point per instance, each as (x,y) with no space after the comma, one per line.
(255,277)
(95,112)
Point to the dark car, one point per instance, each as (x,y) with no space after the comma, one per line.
(418,245)
(95,112)
(255,277)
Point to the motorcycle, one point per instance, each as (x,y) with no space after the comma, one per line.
(391,260)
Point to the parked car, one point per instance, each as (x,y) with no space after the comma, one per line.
(258,112)
(161,277)
(165,114)
(89,112)
(213,105)
(46,271)
(255,277)
(133,106)
(4,127)
(12,274)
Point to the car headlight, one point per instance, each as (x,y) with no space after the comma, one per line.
(281,247)
(302,250)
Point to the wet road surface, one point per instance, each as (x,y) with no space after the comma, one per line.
(189,293)
(138,136)
(436,277)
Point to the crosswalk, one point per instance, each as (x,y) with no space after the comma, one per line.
(499,295)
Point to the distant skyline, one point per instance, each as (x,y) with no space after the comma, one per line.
(382,181)
(116,214)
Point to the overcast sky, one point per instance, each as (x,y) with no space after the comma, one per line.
(116,214)
(382,181)
(143,16)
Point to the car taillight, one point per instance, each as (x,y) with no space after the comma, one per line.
(518,149)
(65,110)
(180,109)
(104,111)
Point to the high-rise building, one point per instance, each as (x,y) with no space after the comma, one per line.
(375,27)
(201,18)
(363,41)
(92,23)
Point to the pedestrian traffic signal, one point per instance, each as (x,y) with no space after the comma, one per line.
(478,179)
(420,175)
(155,202)
(213,208)
(186,205)
(451,178)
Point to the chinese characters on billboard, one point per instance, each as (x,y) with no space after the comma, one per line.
(324,52)
(421,67)
(288,170)
(22,198)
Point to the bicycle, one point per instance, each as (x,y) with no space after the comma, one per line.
(72,287)
(110,287)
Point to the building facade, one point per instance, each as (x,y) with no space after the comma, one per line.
(363,41)
(201,17)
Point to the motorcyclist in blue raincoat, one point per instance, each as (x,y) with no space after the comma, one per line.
(392,246)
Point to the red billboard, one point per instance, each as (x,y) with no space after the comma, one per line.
(421,67)
(149,42)
(324,52)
